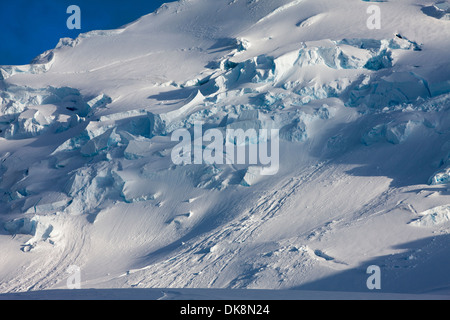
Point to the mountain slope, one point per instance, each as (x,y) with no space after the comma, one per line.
(87,176)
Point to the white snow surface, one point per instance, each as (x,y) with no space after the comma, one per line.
(86,176)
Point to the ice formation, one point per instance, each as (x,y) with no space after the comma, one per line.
(86,167)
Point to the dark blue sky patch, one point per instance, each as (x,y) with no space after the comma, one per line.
(30,27)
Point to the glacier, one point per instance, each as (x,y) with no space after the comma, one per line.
(87,176)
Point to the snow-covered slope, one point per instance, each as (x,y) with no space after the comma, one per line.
(87,176)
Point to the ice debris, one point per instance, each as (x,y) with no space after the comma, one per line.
(393,132)
(439,10)
(432,217)
(441,177)
(27,112)
(39,227)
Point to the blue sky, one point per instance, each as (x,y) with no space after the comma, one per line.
(30,27)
